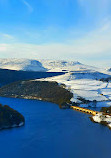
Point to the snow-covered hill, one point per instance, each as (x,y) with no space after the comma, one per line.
(21,64)
(82,80)
(85,85)
(47,65)
(65,66)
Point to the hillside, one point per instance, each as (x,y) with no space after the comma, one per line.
(84,86)
(87,83)
(9,76)
(21,64)
(47,91)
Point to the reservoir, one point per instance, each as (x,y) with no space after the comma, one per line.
(50,132)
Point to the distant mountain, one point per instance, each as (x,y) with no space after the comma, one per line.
(59,63)
(65,66)
(21,64)
(44,65)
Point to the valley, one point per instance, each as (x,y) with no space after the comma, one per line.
(88,84)
(65,83)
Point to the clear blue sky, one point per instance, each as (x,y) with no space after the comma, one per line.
(56,29)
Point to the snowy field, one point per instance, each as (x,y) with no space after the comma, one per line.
(85,86)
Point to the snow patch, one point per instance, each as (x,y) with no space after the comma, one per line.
(99,118)
(85,87)
(21,64)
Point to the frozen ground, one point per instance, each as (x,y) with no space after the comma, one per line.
(85,86)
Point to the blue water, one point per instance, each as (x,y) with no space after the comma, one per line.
(50,132)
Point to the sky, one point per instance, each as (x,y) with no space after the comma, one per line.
(78,30)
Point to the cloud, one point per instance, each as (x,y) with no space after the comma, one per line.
(96,9)
(50,52)
(29,7)
(92,47)
(7,38)
(95,51)
(3,47)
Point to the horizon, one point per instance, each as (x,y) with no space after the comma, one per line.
(77,30)
(67,60)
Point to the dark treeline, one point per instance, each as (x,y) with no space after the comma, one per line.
(106,109)
(48,91)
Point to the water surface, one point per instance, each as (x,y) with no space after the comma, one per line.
(50,132)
